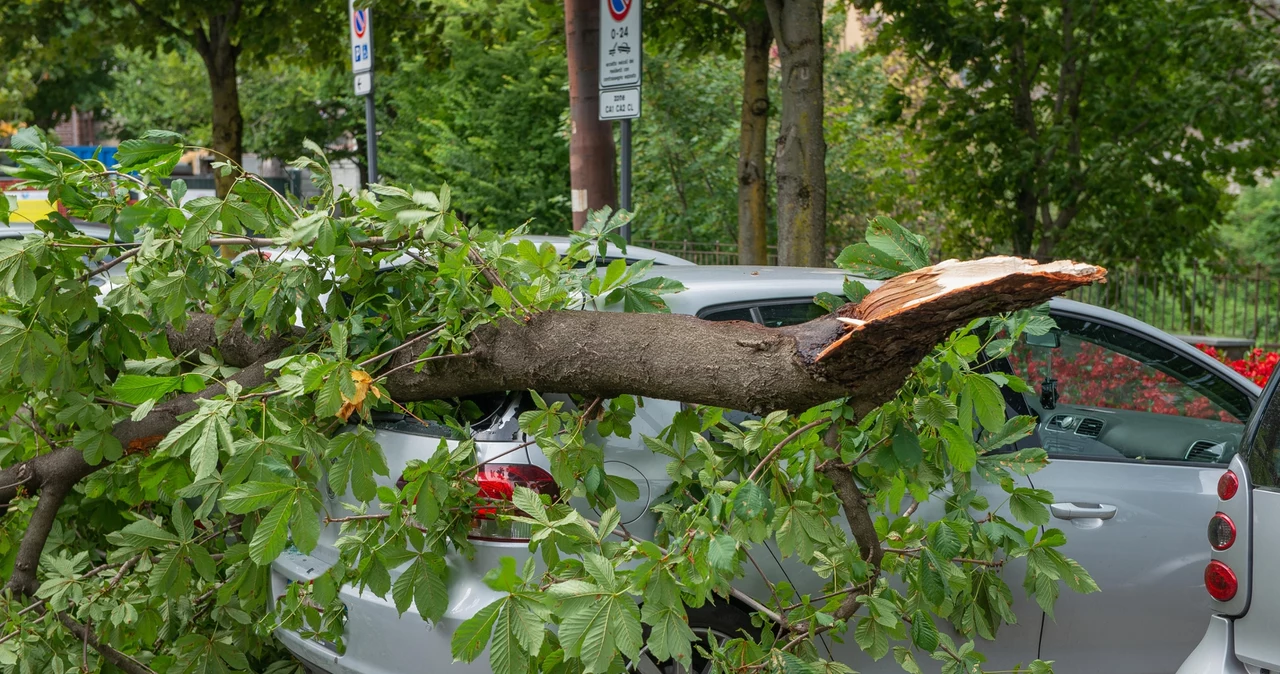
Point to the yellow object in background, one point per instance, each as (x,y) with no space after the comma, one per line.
(29,205)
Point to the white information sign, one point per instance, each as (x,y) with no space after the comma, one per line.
(620,104)
(361,38)
(364,83)
(619,44)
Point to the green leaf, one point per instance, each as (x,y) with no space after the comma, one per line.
(1028,505)
(505,653)
(1022,462)
(988,404)
(960,449)
(863,260)
(98,444)
(473,634)
(136,388)
(943,540)
(244,215)
(272,534)
(924,634)
(889,237)
(932,585)
(17,276)
(854,290)
(157,151)
(1012,431)
(624,489)
(422,586)
(872,637)
(906,447)
(304,527)
(205,212)
(356,457)
(671,637)
(722,552)
(28,139)
(751,502)
(145,534)
(934,410)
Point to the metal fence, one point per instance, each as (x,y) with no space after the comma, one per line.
(1195,301)
(1242,304)
(701,252)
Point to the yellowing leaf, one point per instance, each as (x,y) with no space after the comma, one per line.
(363,383)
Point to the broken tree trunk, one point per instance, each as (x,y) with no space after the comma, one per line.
(730,364)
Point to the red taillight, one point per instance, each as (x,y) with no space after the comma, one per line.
(1228,485)
(1220,581)
(1222,532)
(497,482)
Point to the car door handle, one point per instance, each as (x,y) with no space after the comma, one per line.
(1079,511)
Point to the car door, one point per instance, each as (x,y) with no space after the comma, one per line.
(1138,431)
(1015,644)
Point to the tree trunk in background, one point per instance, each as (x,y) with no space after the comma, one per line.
(591,156)
(228,125)
(800,159)
(753,184)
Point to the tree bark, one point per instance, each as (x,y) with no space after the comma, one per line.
(591,153)
(753,185)
(800,159)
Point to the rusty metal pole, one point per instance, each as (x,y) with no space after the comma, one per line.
(591,152)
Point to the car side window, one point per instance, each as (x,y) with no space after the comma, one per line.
(779,315)
(1264,446)
(1101,392)
(734,314)
(772,314)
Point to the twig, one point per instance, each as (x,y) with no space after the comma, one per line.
(107,266)
(19,482)
(499,456)
(419,361)
(124,569)
(786,441)
(406,345)
(494,279)
(32,607)
(915,552)
(117,403)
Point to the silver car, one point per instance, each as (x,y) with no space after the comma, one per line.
(1139,426)
(1245,603)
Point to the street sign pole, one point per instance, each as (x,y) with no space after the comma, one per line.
(371,135)
(361,24)
(620,61)
(624,182)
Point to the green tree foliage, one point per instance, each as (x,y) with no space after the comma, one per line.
(873,166)
(1253,226)
(1086,127)
(158,90)
(491,121)
(169,472)
(63,61)
(285,104)
(686,148)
